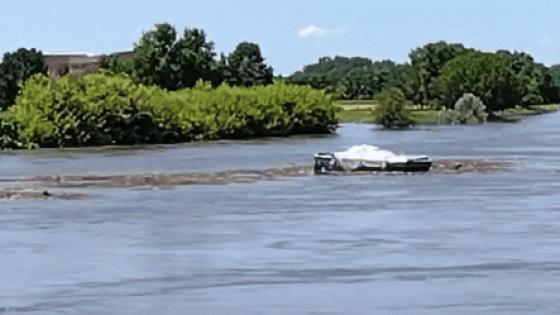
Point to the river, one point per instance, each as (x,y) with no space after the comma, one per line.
(420,244)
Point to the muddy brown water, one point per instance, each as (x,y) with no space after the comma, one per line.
(434,243)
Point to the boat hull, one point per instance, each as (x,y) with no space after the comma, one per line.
(329,162)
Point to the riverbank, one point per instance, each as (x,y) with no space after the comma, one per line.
(45,187)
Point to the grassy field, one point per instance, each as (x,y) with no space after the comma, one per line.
(362,112)
(532,110)
(421,117)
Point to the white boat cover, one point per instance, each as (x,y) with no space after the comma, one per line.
(371,153)
(370,156)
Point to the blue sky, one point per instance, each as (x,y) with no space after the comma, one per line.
(290,33)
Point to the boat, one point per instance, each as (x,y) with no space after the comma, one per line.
(370,158)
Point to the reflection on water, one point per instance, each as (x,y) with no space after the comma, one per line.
(423,244)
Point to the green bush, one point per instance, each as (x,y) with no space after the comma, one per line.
(9,136)
(236,112)
(391,111)
(469,109)
(32,108)
(115,65)
(99,109)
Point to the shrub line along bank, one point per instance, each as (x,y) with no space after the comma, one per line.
(101,109)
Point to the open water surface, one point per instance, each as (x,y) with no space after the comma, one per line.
(420,244)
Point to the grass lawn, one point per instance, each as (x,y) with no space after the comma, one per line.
(345,103)
(356,116)
(421,117)
(532,110)
(425,117)
(361,111)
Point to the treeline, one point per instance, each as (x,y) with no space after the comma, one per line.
(162,58)
(437,75)
(348,78)
(175,89)
(175,62)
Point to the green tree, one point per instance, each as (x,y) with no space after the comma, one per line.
(428,61)
(349,78)
(247,67)
(534,77)
(191,59)
(551,94)
(554,72)
(152,55)
(487,75)
(170,62)
(15,68)
(331,72)
(407,79)
(364,83)
(391,111)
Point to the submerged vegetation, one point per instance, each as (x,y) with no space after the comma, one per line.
(100,109)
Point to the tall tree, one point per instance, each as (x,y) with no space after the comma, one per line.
(151,52)
(551,94)
(535,77)
(247,67)
(429,60)
(192,58)
(170,62)
(15,68)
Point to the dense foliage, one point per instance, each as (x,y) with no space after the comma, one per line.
(554,73)
(551,93)
(115,65)
(245,66)
(348,78)
(391,111)
(428,62)
(469,109)
(173,63)
(99,109)
(487,75)
(516,79)
(15,68)
(534,77)
(9,136)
